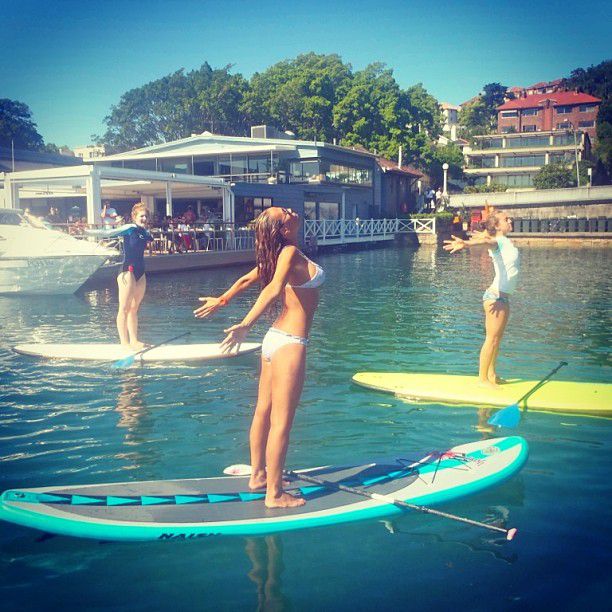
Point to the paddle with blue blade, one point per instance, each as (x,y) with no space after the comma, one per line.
(126,362)
(511,415)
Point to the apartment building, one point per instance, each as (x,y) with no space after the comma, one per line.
(513,159)
(545,112)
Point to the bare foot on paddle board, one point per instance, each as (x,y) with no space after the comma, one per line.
(487,384)
(261,483)
(284,500)
(138,346)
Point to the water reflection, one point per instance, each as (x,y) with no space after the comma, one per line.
(266,557)
(476,541)
(136,420)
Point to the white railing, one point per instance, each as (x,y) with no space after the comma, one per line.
(416,226)
(339,231)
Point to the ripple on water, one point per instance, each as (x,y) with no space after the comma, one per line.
(382,309)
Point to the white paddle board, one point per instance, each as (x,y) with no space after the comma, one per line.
(114,352)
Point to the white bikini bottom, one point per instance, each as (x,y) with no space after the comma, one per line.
(275,338)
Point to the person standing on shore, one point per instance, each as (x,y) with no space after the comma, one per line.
(131,280)
(496,299)
(289,278)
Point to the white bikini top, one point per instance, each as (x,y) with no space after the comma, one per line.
(316,281)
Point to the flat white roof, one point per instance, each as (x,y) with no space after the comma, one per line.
(215,144)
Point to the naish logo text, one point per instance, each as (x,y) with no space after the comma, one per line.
(185,536)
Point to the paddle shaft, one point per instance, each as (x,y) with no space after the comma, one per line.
(509,533)
(150,348)
(550,375)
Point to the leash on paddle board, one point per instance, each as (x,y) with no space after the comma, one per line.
(511,415)
(126,362)
(245,470)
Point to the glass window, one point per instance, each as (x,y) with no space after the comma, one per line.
(586,124)
(564,110)
(224,165)
(203,167)
(509,113)
(561,158)
(486,161)
(517,161)
(515,180)
(310,210)
(529,111)
(260,204)
(141,164)
(528,141)
(585,108)
(304,170)
(492,143)
(259,165)
(239,165)
(178,165)
(508,129)
(563,139)
(564,125)
(244,209)
(529,128)
(329,210)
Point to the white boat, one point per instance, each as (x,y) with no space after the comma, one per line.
(38,260)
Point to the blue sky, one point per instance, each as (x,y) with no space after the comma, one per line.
(70,61)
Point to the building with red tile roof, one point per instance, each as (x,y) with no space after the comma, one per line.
(544,112)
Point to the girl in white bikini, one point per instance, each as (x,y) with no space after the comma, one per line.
(287,275)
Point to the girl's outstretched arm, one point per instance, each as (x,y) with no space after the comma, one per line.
(111,232)
(477,239)
(212,304)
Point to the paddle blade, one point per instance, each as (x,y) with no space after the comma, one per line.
(126,362)
(507,417)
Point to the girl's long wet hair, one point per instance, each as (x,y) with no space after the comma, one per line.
(269,242)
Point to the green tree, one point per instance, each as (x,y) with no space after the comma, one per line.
(299,95)
(480,117)
(377,114)
(174,107)
(554,176)
(597,81)
(450,154)
(17,127)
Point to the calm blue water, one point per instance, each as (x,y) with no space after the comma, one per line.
(389,309)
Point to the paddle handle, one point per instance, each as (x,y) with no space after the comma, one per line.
(550,375)
(509,533)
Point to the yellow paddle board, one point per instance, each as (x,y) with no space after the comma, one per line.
(594,399)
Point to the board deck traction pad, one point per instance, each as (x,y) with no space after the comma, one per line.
(225,505)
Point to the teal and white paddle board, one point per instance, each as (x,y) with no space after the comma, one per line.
(202,507)
(113,352)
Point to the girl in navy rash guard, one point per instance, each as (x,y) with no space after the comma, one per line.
(132,280)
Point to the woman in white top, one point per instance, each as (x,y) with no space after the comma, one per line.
(495,300)
(289,277)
